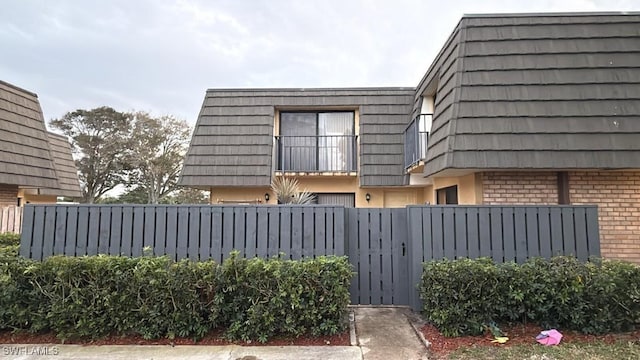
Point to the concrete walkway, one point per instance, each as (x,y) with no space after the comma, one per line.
(385,333)
(191,352)
(381,332)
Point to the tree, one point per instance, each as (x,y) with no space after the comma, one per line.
(100,142)
(158,147)
(187,196)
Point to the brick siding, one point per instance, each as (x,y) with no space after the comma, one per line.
(617,194)
(8,194)
(520,188)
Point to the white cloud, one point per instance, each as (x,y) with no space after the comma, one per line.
(161,55)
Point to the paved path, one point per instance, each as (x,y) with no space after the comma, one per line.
(385,333)
(191,352)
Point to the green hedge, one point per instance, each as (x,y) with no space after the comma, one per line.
(156,297)
(461,297)
(9,244)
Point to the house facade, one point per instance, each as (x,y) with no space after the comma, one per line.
(515,109)
(35,166)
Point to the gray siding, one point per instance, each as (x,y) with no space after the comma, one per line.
(65,168)
(233,140)
(25,155)
(555,91)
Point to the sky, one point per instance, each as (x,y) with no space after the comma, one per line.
(160,56)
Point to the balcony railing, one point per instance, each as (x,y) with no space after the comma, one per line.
(416,137)
(331,153)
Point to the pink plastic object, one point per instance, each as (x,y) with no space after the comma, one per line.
(549,337)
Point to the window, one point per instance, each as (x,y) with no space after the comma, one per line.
(345,199)
(316,141)
(447,196)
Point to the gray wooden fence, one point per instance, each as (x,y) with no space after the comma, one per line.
(385,246)
(10,219)
(193,232)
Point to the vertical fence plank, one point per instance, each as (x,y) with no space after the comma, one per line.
(61,230)
(593,231)
(160,231)
(193,238)
(496,242)
(544,232)
(137,234)
(354,254)
(568,231)
(580,226)
(105,230)
(339,235)
(320,243)
(83,231)
(38,233)
(72,228)
(240,226)
(27,233)
(533,239)
(251,232)
(115,231)
(149,232)
(205,233)
(228,216)
(387,255)
(460,232)
(296,233)
(557,244)
(216,234)
(484,226)
(449,232)
(126,240)
(49,231)
(273,236)
(365,256)
(509,245)
(520,228)
(473,237)
(405,263)
(437,232)
(375,248)
(285,231)
(307,232)
(182,241)
(262,232)
(171,235)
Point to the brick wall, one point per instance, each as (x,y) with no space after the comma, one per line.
(8,194)
(617,194)
(520,188)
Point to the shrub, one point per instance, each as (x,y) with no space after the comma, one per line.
(462,296)
(265,297)
(90,297)
(9,244)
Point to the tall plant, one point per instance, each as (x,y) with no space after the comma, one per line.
(288,191)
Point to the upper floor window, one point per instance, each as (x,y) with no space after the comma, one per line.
(317,141)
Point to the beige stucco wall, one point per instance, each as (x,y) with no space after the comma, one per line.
(30,196)
(379,197)
(469,188)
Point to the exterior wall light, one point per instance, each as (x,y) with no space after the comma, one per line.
(266,197)
(367,197)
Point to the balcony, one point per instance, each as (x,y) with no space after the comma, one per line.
(331,153)
(416,137)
